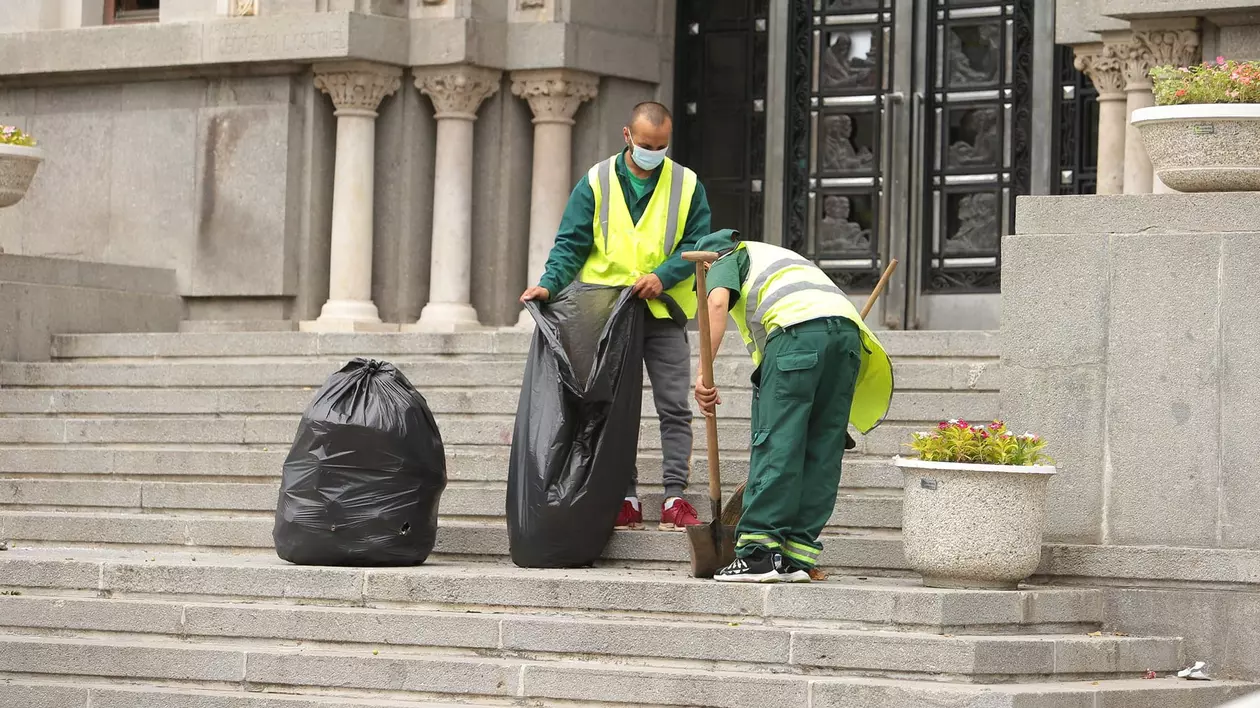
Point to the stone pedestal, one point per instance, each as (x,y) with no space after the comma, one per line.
(457,93)
(1106,70)
(554,96)
(356,89)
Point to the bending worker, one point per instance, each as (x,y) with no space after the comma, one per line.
(627,224)
(818,369)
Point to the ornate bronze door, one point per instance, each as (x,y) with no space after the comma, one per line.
(908,138)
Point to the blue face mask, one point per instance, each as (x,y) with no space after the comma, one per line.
(647,159)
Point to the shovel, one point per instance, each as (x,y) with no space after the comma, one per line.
(713,546)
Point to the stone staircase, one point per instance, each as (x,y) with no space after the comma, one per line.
(138,479)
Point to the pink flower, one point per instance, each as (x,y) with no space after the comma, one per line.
(1181,92)
(996,425)
(1220,61)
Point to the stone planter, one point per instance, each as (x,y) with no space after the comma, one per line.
(973,526)
(17,169)
(1203,147)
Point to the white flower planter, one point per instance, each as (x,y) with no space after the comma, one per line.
(973,526)
(1203,147)
(17,169)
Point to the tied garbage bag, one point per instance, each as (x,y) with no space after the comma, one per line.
(363,479)
(577,426)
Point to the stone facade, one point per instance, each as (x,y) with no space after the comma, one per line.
(190,142)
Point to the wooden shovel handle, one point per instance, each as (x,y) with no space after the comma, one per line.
(706,376)
(879,287)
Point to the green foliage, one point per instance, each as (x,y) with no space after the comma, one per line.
(10,135)
(959,441)
(1222,82)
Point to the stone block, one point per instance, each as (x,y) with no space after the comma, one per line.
(887,651)
(67,205)
(90,615)
(21,572)
(36,460)
(1054,300)
(207,463)
(386,672)
(698,642)
(242,203)
(152,200)
(1147,214)
(315,36)
(1241,620)
(140,660)
(1172,693)
(57,493)
(335,625)
(1163,376)
(135,401)
(841,693)
(1066,406)
(32,430)
(1079,22)
(268,578)
(271,430)
(150,697)
(821,602)
(1152,563)
(190,10)
(155,430)
(1199,617)
(1119,655)
(29,696)
(231,497)
(232,533)
(1239,392)
(1140,9)
(68,527)
(673,687)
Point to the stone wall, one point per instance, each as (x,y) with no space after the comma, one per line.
(1130,341)
(40,297)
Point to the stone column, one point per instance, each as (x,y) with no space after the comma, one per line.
(1106,70)
(457,92)
(554,95)
(1149,49)
(356,89)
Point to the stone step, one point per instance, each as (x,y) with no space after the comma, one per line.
(851,548)
(838,603)
(737,403)
(463,464)
(733,435)
(303,669)
(400,632)
(669,686)
(458,501)
(730,372)
(238,344)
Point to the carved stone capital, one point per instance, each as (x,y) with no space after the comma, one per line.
(554,95)
(357,88)
(1178,47)
(1104,67)
(457,90)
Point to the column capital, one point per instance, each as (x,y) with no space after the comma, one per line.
(554,95)
(357,88)
(1104,66)
(457,90)
(1149,48)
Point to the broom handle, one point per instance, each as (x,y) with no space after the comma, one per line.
(879,287)
(706,376)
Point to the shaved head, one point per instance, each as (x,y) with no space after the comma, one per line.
(654,113)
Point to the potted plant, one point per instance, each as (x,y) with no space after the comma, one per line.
(19,159)
(974,505)
(1203,133)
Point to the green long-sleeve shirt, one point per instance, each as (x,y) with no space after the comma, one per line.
(576,235)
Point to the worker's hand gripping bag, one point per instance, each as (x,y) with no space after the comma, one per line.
(577,426)
(365,475)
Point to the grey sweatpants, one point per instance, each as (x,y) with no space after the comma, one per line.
(667,357)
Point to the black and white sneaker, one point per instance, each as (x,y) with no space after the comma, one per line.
(757,568)
(789,573)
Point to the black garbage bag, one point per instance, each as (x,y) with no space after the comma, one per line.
(577,426)
(365,474)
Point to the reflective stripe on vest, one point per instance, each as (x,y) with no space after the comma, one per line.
(789,276)
(623,250)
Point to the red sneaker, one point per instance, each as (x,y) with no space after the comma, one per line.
(679,516)
(630,517)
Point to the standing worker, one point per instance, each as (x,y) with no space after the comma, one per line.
(818,369)
(619,229)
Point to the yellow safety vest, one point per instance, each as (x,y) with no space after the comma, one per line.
(625,251)
(784,289)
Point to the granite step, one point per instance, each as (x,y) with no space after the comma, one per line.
(279,431)
(483,540)
(841,602)
(459,501)
(731,372)
(73,694)
(498,400)
(463,464)
(237,344)
(399,632)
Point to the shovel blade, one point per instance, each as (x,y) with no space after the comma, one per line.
(712,548)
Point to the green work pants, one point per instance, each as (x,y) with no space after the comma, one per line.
(800,416)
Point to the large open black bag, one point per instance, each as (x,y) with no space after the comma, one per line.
(365,474)
(577,426)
